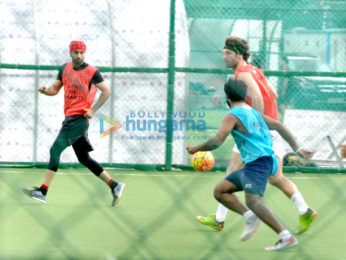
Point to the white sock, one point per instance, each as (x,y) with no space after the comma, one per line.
(248,214)
(299,201)
(221,213)
(285,234)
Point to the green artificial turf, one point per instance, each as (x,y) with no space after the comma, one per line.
(156,218)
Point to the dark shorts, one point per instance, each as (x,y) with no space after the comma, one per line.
(73,128)
(254,176)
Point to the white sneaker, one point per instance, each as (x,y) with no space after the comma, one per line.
(283,244)
(252,224)
(36,194)
(117,193)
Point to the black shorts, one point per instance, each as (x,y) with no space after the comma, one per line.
(73,128)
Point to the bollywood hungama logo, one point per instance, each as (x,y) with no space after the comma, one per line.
(145,120)
(110,130)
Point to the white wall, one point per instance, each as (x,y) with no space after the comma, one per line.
(39,32)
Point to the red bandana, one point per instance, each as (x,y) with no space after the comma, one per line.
(77,45)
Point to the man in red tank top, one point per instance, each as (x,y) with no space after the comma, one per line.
(80,81)
(267,92)
(261,96)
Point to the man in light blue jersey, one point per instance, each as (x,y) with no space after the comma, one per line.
(251,133)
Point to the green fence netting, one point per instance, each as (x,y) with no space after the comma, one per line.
(166,68)
(163,62)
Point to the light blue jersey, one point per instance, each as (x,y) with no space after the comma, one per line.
(258,142)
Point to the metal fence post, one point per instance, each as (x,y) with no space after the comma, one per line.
(170,90)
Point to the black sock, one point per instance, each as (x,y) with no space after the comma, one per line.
(112,184)
(43,189)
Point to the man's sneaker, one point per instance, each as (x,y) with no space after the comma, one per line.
(306,220)
(252,224)
(36,194)
(283,244)
(117,193)
(210,221)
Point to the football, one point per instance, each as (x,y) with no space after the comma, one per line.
(202,161)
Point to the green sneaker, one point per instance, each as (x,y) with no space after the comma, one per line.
(306,220)
(210,221)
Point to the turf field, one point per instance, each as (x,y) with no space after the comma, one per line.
(156,218)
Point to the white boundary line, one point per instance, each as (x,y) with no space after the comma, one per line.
(201,175)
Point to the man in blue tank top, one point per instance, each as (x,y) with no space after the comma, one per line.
(251,133)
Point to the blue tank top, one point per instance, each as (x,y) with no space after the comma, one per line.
(258,142)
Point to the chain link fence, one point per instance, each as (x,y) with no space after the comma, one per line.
(165,68)
(163,62)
